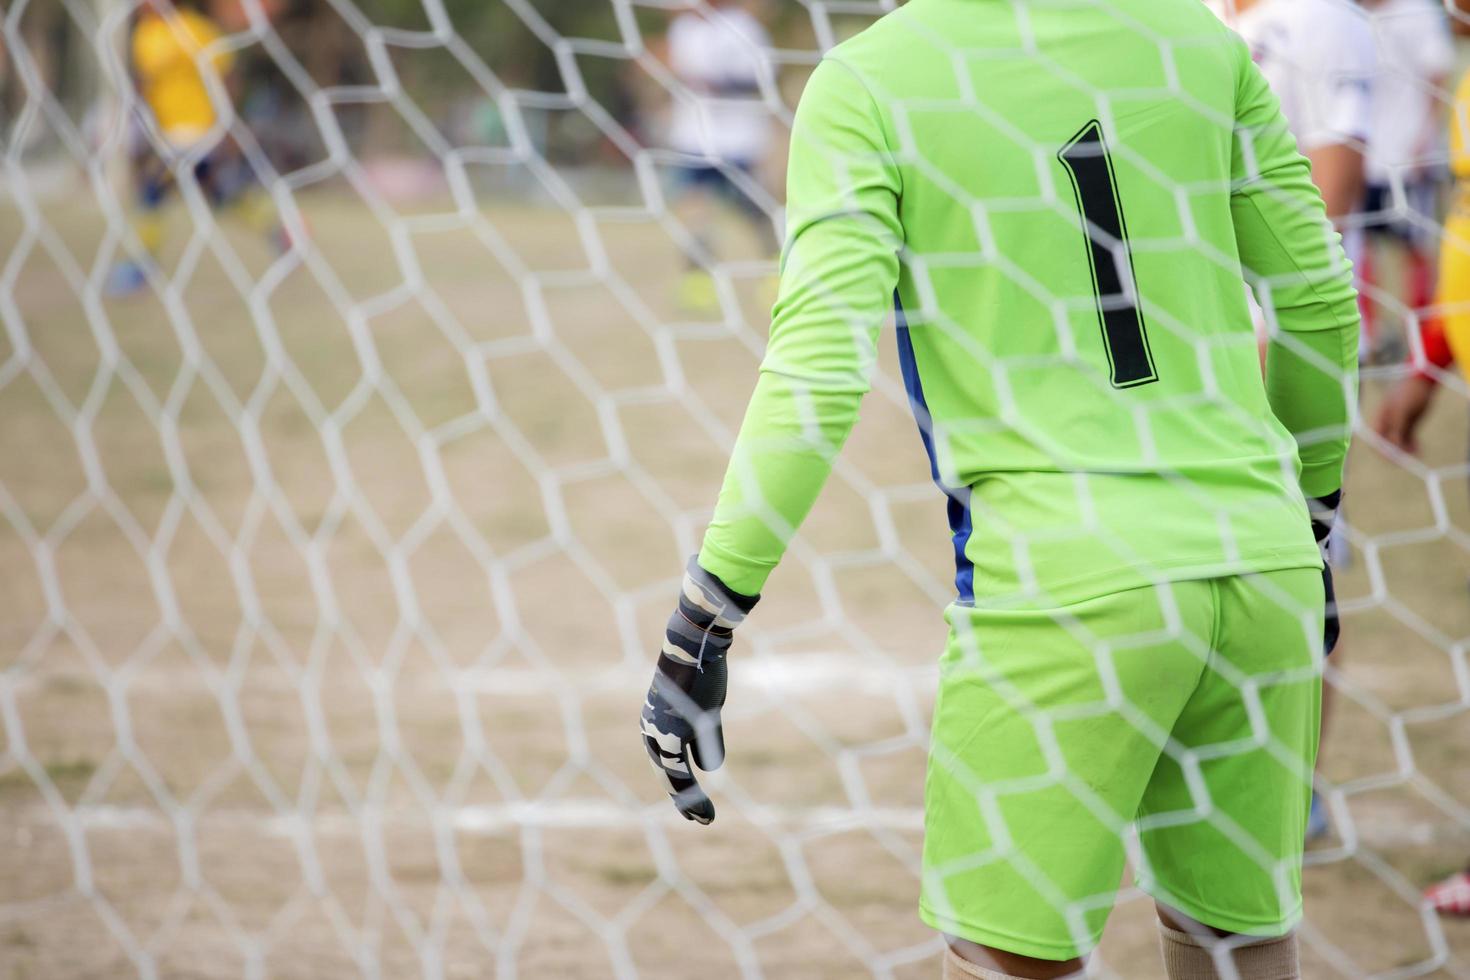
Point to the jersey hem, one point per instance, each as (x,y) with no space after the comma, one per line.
(1269,927)
(998,939)
(1145,574)
(743,575)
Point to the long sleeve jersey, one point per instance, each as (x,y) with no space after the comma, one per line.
(166,52)
(1060,201)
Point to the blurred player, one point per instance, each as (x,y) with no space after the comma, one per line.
(1137,562)
(1445,338)
(1319,58)
(1405,404)
(721,128)
(1415,57)
(1451,896)
(169,65)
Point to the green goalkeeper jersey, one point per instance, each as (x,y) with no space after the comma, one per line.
(1061,199)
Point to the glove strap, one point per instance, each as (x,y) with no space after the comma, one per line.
(1323,511)
(705,620)
(709,604)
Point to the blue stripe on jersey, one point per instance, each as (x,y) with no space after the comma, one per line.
(958,508)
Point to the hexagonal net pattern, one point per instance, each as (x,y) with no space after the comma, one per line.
(352,444)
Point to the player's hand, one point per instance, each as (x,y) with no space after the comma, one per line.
(1324,515)
(1402,410)
(682,710)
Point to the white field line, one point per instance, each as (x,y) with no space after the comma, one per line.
(488,820)
(811,673)
(485,820)
(771,675)
(783,674)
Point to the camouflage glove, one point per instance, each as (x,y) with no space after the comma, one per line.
(682,710)
(1324,515)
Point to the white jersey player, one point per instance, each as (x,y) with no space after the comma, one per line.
(720,126)
(1405,158)
(720,58)
(1319,57)
(1415,58)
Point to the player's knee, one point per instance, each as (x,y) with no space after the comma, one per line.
(965,960)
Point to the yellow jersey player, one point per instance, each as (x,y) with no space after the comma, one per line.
(1454,256)
(168,57)
(176,62)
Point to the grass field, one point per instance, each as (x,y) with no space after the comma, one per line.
(328,597)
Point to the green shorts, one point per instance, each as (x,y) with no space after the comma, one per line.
(1175,724)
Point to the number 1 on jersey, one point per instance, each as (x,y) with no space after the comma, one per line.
(1110,257)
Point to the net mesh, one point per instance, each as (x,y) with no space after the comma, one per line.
(334,553)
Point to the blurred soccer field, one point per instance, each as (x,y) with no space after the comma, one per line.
(330,592)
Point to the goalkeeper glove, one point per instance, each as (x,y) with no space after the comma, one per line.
(1324,515)
(682,710)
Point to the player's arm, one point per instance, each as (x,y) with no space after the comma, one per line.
(1294,258)
(1342,65)
(1459,17)
(1338,169)
(838,273)
(1404,405)
(196,36)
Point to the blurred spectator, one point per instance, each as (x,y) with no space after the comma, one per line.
(720,126)
(1415,58)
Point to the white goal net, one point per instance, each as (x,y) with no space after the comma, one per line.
(351,449)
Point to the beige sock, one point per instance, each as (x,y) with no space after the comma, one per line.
(956,967)
(1266,959)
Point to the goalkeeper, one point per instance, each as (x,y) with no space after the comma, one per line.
(1062,200)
